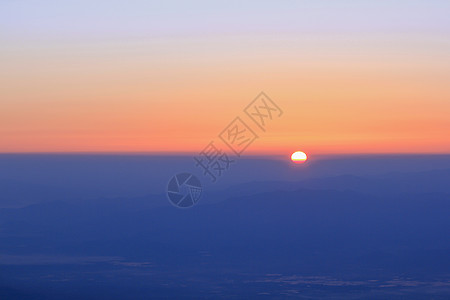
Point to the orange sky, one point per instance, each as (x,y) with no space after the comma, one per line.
(341,92)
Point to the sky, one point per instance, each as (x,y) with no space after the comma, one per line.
(169,76)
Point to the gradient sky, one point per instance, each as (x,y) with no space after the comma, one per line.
(168,76)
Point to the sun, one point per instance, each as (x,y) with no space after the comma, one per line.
(299,157)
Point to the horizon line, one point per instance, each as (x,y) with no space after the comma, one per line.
(181,153)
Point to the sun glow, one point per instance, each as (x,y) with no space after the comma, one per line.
(299,157)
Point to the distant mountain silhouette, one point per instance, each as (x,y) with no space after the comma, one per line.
(372,235)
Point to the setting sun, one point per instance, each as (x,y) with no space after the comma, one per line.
(299,157)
